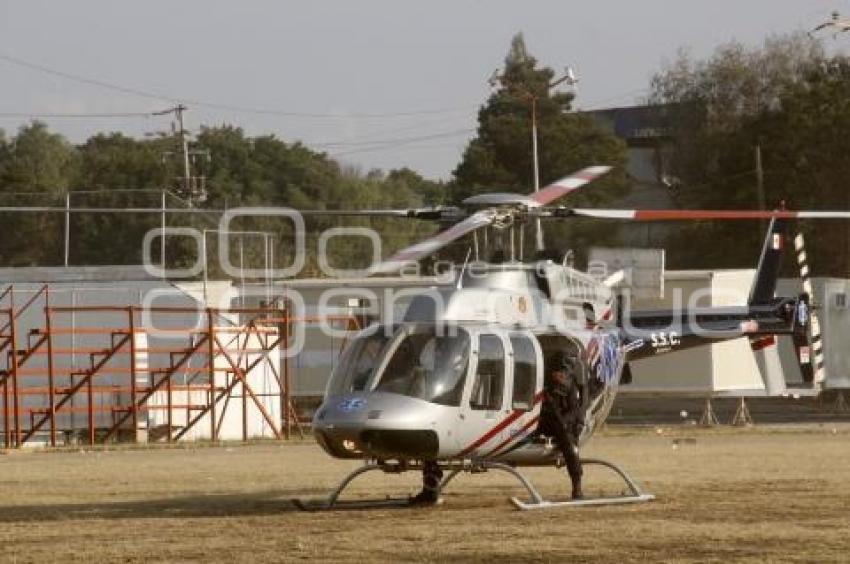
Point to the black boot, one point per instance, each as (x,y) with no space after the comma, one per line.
(575,478)
(425,497)
(577,493)
(432,476)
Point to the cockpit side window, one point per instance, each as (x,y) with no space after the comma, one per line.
(357,364)
(490,376)
(525,372)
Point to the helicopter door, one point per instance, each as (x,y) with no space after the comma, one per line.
(487,404)
(527,372)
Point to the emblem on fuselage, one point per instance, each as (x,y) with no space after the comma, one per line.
(351,405)
(603,357)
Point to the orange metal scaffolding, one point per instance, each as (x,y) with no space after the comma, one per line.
(121,374)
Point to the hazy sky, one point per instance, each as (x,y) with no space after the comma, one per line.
(384,83)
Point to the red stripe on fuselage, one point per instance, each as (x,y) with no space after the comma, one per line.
(507,441)
(763,343)
(516,414)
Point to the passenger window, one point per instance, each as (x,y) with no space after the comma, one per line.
(490,376)
(525,373)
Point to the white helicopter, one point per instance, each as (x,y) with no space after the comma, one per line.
(458,381)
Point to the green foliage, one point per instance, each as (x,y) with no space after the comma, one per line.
(112,170)
(499,158)
(38,161)
(789,99)
(267,171)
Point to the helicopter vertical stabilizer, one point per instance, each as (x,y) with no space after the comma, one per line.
(770,262)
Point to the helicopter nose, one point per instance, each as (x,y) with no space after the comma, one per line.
(386,426)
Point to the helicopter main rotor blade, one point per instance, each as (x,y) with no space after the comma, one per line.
(416,213)
(680,215)
(432,244)
(568,184)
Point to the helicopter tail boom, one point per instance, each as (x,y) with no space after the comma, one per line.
(765,315)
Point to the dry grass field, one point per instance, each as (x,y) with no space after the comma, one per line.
(763,494)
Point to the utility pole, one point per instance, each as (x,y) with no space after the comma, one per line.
(191,187)
(184,146)
(569,78)
(762,201)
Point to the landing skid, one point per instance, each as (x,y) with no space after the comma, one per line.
(537,501)
(635,495)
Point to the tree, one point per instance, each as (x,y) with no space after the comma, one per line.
(788,99)
(43,164)
(37,160)
(499,158)
(806,146)
(431,193)
(266,170)
(117,169)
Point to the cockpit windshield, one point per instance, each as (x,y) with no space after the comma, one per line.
(427,365)
(358,363)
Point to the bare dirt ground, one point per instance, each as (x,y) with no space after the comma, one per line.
(763,494)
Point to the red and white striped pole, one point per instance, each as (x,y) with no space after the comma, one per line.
(817,359)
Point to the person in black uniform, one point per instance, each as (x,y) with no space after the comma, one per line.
(562,413)
(432,476)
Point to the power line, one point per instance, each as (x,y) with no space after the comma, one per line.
(83,79)
(214,105)
(62,115)
(402,142)
(376,135)
(282,113)
(391,140)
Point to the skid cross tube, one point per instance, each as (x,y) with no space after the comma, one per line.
(636,495)
(635,489)
(350,478)
(484,465)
